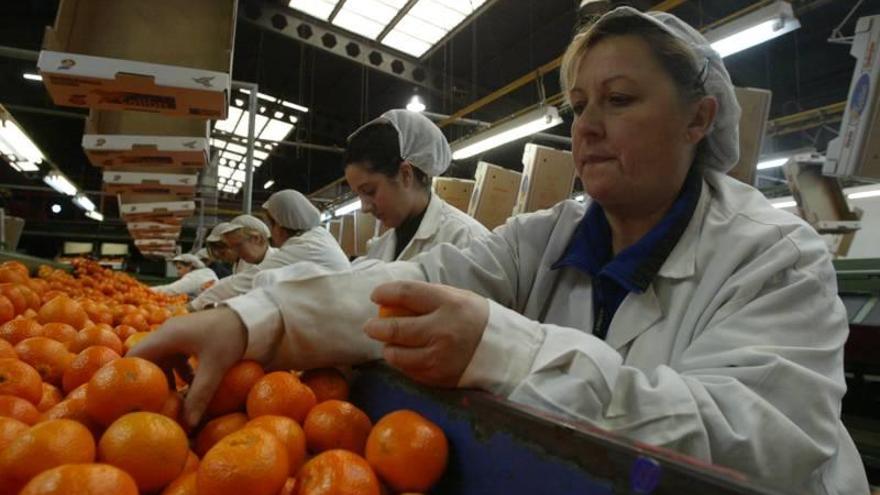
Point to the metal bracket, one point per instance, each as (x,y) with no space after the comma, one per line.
(327,37)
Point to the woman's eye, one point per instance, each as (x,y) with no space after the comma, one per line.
(619,99)
(577,108)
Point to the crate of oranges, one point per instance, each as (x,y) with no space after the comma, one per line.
(78,417)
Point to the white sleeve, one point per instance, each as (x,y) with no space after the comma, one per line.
(184,285)
(227,287)
(758,389)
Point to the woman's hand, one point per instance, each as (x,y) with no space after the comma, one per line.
(217,337)
(436,347)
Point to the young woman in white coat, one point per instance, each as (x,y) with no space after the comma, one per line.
(677,308)
(296,235)
(193,275)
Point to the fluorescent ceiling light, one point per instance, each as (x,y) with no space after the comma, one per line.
(19,143)
(94,215)
(772,163)
(60,183)
(84,202)
(295,106)
(864,194)
(24,166)
(579,198)
(276,130)
(527,124)
(754,28)
(350,207)
(32,77)
(225,172)
(784,204)
(416,104)
(269,183)
(315,8)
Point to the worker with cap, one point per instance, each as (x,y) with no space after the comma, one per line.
(676,307)
(193,275)
(218,249)
(219,267)
(295,229)
(249,237)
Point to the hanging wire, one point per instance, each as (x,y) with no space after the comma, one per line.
(837,33)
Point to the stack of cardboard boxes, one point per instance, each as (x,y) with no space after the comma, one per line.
(152,74)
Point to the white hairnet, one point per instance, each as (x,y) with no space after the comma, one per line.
(720,149)
(253,223)
(421,141)
(202,254)
(221,228)
(292,210)
(189,259)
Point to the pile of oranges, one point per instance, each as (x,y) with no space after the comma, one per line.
(78,417)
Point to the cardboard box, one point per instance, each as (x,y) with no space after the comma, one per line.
(161,56)
(155,244)
(820,199)
(495,190)
(364,230)
(153,230)
(151,211)
(335,228)
(347,236)
(119,139)
(456,192)
(116,182)
(547,178)
(755,104)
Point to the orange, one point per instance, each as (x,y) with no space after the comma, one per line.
(280,393)
(250,461)
(85,364)
(124,331)
(37,285)
(393,311)
(233,390)
(337,472)
(73,407)
(125,385)
(290,434)
(134,340)
(6,350)
(63,309)
(49,357)
(335,424)
(32,298)
(192,463)
(326,383)
(7,310)
(96,335)
(51,294)
(44,446)
(8,274)
(62,332)
(289,487)
(98,313)
(408,451)
(185,485)
(9,429)
(20,379)
(51,397)
(217,429)
(173,407)
(157,316)
(14,331)
(151,448)
(16,296)
(16,266)
(136,320)
(15,407)
(81,479)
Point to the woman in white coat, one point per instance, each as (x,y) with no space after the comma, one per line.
(193,275)
(679,308)
(296,234)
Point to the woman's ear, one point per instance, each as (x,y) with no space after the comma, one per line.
(407,177)
(704,115)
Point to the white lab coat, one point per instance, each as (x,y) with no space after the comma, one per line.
(733,355)
(189,284)
(316,246)
(442,223)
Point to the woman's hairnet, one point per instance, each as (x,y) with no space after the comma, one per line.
(292,210)
(720,149)
(189,259)
(202,254)
(221,228)
(253,223)
(421,141)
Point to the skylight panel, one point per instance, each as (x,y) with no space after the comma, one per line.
(315,8)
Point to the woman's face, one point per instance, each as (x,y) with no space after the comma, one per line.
(633,137)
(222,252)
(390,200)
(182,268)
(248,247)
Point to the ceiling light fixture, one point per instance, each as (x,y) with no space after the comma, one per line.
(94,215)
(350,207)
(754,28)
(60,183)
(772,163)
(84,202)
(534,121)
(269,183)
(871,193)
(415,104)
(56,208)
(32,77)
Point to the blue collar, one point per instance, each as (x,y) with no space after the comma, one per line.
(635,267)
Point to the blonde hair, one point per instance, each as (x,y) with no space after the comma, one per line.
(674,54)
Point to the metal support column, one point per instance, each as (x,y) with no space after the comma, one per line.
(247,197)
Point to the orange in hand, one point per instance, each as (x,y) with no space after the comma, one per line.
(337,471)
(282,394)
(125,385)
(408,451)
(392,311)
(335,424)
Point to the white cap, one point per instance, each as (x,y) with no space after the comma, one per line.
(721,150)
(202,254)
(253,223)
(292,210)
(221,228)
(421,141)
(189,259)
